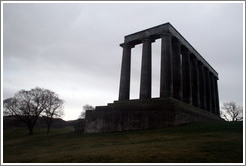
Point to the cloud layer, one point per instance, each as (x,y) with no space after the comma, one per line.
(73,49)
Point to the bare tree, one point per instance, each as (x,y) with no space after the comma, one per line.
(82,115)
(53,109)
(85,107)
(88,107)
(79,126)
(232,112)
(27,106)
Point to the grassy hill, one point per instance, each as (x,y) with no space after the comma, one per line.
(13,122)
(217,142)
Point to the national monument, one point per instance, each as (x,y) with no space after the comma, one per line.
(188,87)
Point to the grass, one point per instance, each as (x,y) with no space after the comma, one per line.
(218,142)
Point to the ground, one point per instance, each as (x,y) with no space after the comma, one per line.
(217,142)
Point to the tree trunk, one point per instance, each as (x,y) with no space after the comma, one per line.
(30,130)
(48,129)
(49,121)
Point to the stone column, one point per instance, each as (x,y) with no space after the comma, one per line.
(208,90)
(217,96)
(124,92)
(186,73)
(195,82)
(202,89)
(177,70)
(166,80)
(145,84)
(213,98)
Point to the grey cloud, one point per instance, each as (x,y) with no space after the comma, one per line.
(74,49)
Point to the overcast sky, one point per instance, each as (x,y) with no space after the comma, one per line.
(73,49)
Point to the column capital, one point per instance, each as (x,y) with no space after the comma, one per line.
(210,73)
(214,76)
(193,57)
(200,64)
(185,52)
(127,45)
(206,69)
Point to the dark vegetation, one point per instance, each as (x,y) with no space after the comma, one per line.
(29,105)
(11,122)
(217,142)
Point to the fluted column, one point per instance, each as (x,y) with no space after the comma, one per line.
(213,98)
(124,92)
(208,91)
(177,70)
(145,84)
(217,96)
(186,73)
(166,80)
(202,89)
(195,82)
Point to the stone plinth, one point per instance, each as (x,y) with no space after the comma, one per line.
(144,114)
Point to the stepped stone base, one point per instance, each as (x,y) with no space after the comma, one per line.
(144,114)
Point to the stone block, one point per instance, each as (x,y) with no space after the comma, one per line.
(144,114)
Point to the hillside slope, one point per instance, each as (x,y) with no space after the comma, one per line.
(218,142)
(12,122)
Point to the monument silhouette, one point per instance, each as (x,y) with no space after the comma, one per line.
(188,87)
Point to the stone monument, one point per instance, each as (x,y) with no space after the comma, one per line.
(188,87)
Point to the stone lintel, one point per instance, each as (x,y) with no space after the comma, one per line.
(153,33)
(156,33)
